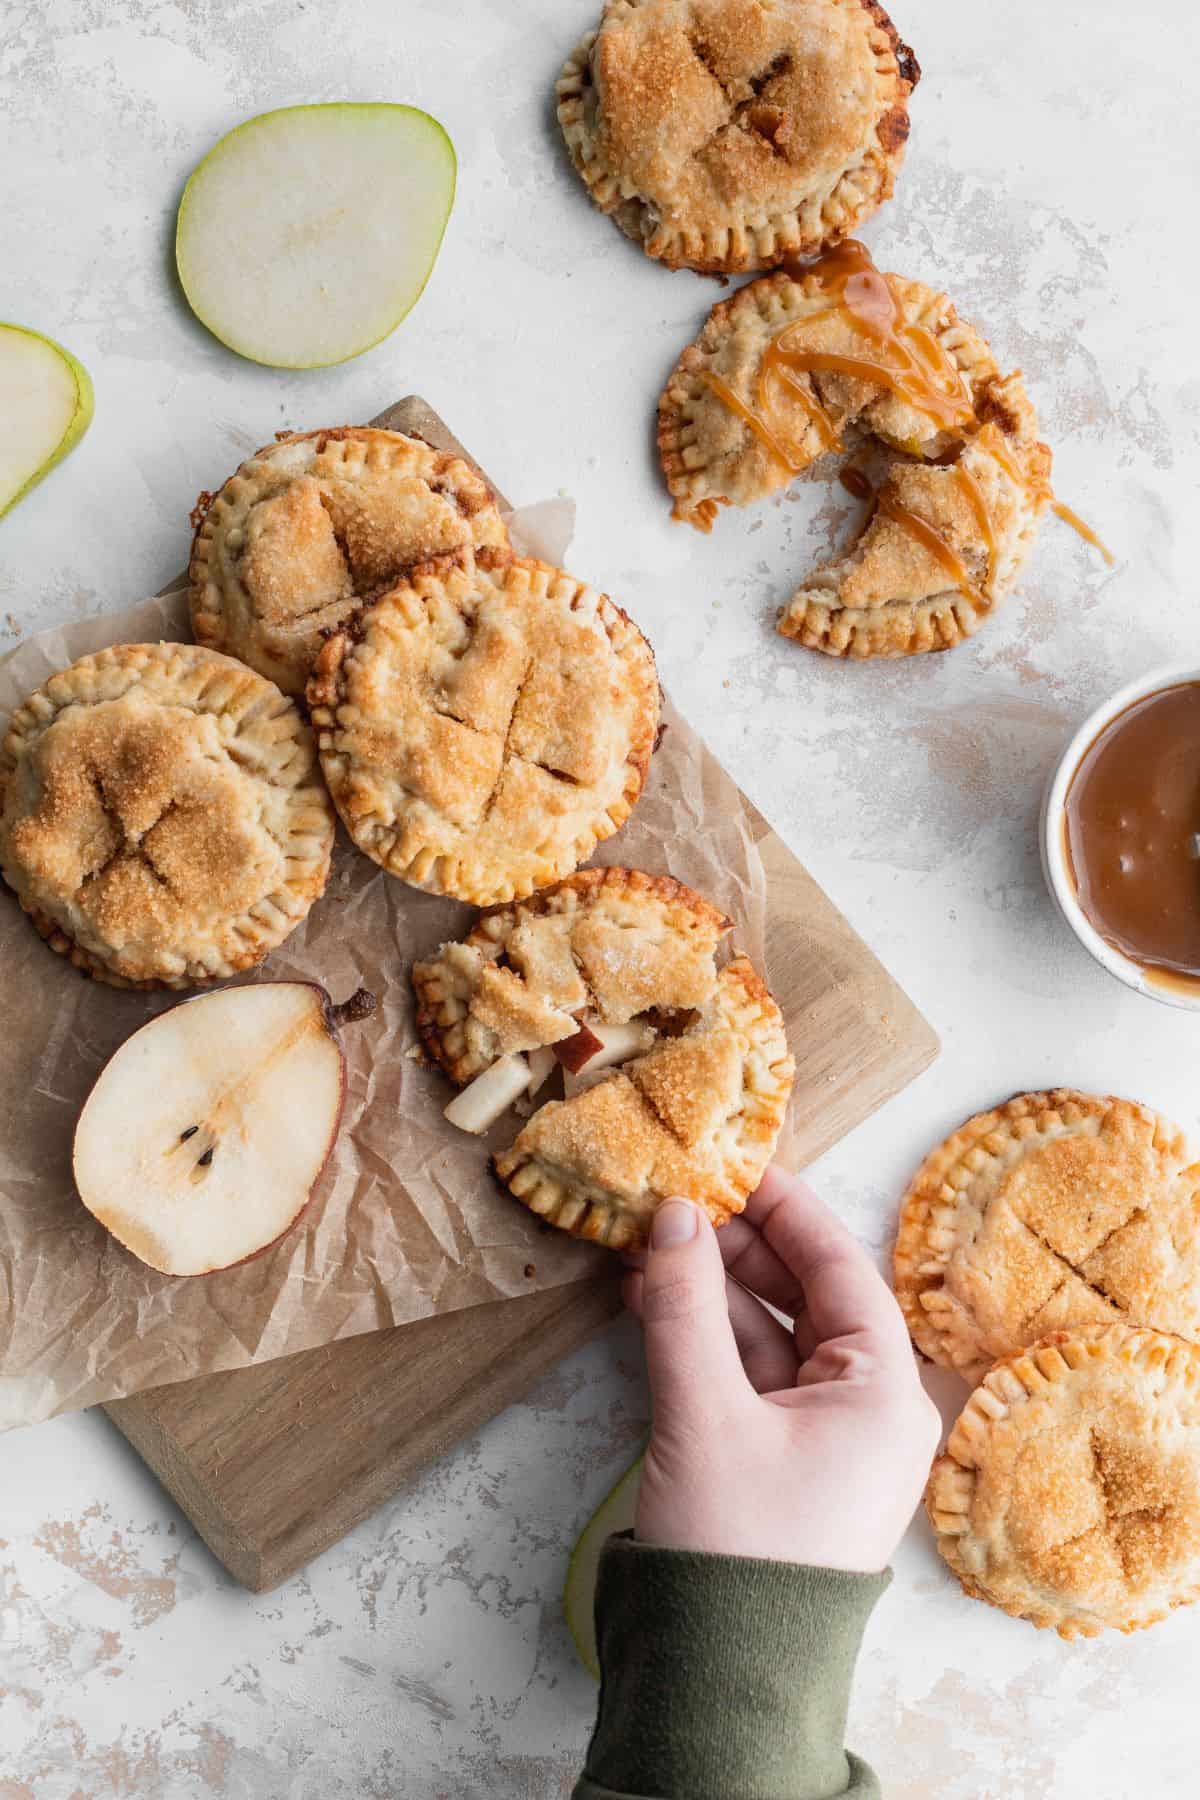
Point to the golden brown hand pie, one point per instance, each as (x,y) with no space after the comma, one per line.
(310,528)
(1057,1209)
(725,135)
(162,817)
(1069,1493)
(627,960)
(797,366)
(484,729)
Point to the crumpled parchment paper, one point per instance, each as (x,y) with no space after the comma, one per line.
(407,1219)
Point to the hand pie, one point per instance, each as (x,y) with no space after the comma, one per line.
(795,367)
(162,817)
(1057,1209)
(484,729)
(312,527)
(677,1074)
(1069,1493)
(725,135)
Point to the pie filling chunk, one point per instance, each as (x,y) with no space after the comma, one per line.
(674,1073)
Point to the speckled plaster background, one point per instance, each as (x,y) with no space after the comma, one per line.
(1050,188)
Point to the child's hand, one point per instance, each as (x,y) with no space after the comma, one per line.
(808,1445)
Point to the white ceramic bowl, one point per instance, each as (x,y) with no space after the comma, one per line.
(1053,836)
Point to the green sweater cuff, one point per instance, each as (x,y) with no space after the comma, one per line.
(724,1678)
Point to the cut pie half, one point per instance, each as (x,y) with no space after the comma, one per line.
(484,729)
(1056,1209)
(799,366)
(1069,1492)
(676,1073)
(162,816)
(312,527)
(724,135)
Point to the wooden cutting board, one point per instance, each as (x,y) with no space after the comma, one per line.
(274,1463)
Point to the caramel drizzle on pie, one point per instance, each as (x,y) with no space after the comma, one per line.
(910,363)
(932,540)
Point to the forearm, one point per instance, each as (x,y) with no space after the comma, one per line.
(725,1676)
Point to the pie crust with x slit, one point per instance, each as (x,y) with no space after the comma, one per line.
(725,135)
(979,486)
(484,729)
(312,527)
(162,816)
(1057,1209)
(695,1112)
(1069,1492)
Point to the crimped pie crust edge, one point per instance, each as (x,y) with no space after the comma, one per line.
(747,1006)
(1169,1362)
(216,512)
(457,875)
(925,1242)
(271,919)
(760,243)
(767,298)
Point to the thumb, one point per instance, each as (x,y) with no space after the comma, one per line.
(691,1356)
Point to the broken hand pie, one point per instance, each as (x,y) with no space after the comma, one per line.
(725,135)
(1057,1209)
(797,366)
(1069,1492)
(312,527)
(484,729)
(162,817)
(676,1074)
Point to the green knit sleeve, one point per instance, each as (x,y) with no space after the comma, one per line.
(723,1676)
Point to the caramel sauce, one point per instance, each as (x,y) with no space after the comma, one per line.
(1132,831)
(977,500)
(1062,511)
(909,362)
(762,431)
(814,411)
(935,543)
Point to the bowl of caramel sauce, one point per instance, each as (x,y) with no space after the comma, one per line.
(1121,835)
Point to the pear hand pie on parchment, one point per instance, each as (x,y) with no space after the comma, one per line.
(483,730)
(676,1074)
(725,135)
(162,816)
(1069,1491)
(798,366)
(313,527)
(1055,1210)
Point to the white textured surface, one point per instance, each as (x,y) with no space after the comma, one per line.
(1049,188)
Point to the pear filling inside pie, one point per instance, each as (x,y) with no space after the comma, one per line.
(665,1074)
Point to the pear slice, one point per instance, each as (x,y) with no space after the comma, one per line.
(616,1513)
(306,235)
(207,1131)
(46,405)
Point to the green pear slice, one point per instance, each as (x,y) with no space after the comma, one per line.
(616,1513)
(207,1131)
(306,235)
(46,405)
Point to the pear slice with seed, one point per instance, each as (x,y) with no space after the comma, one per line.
(207,1131)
